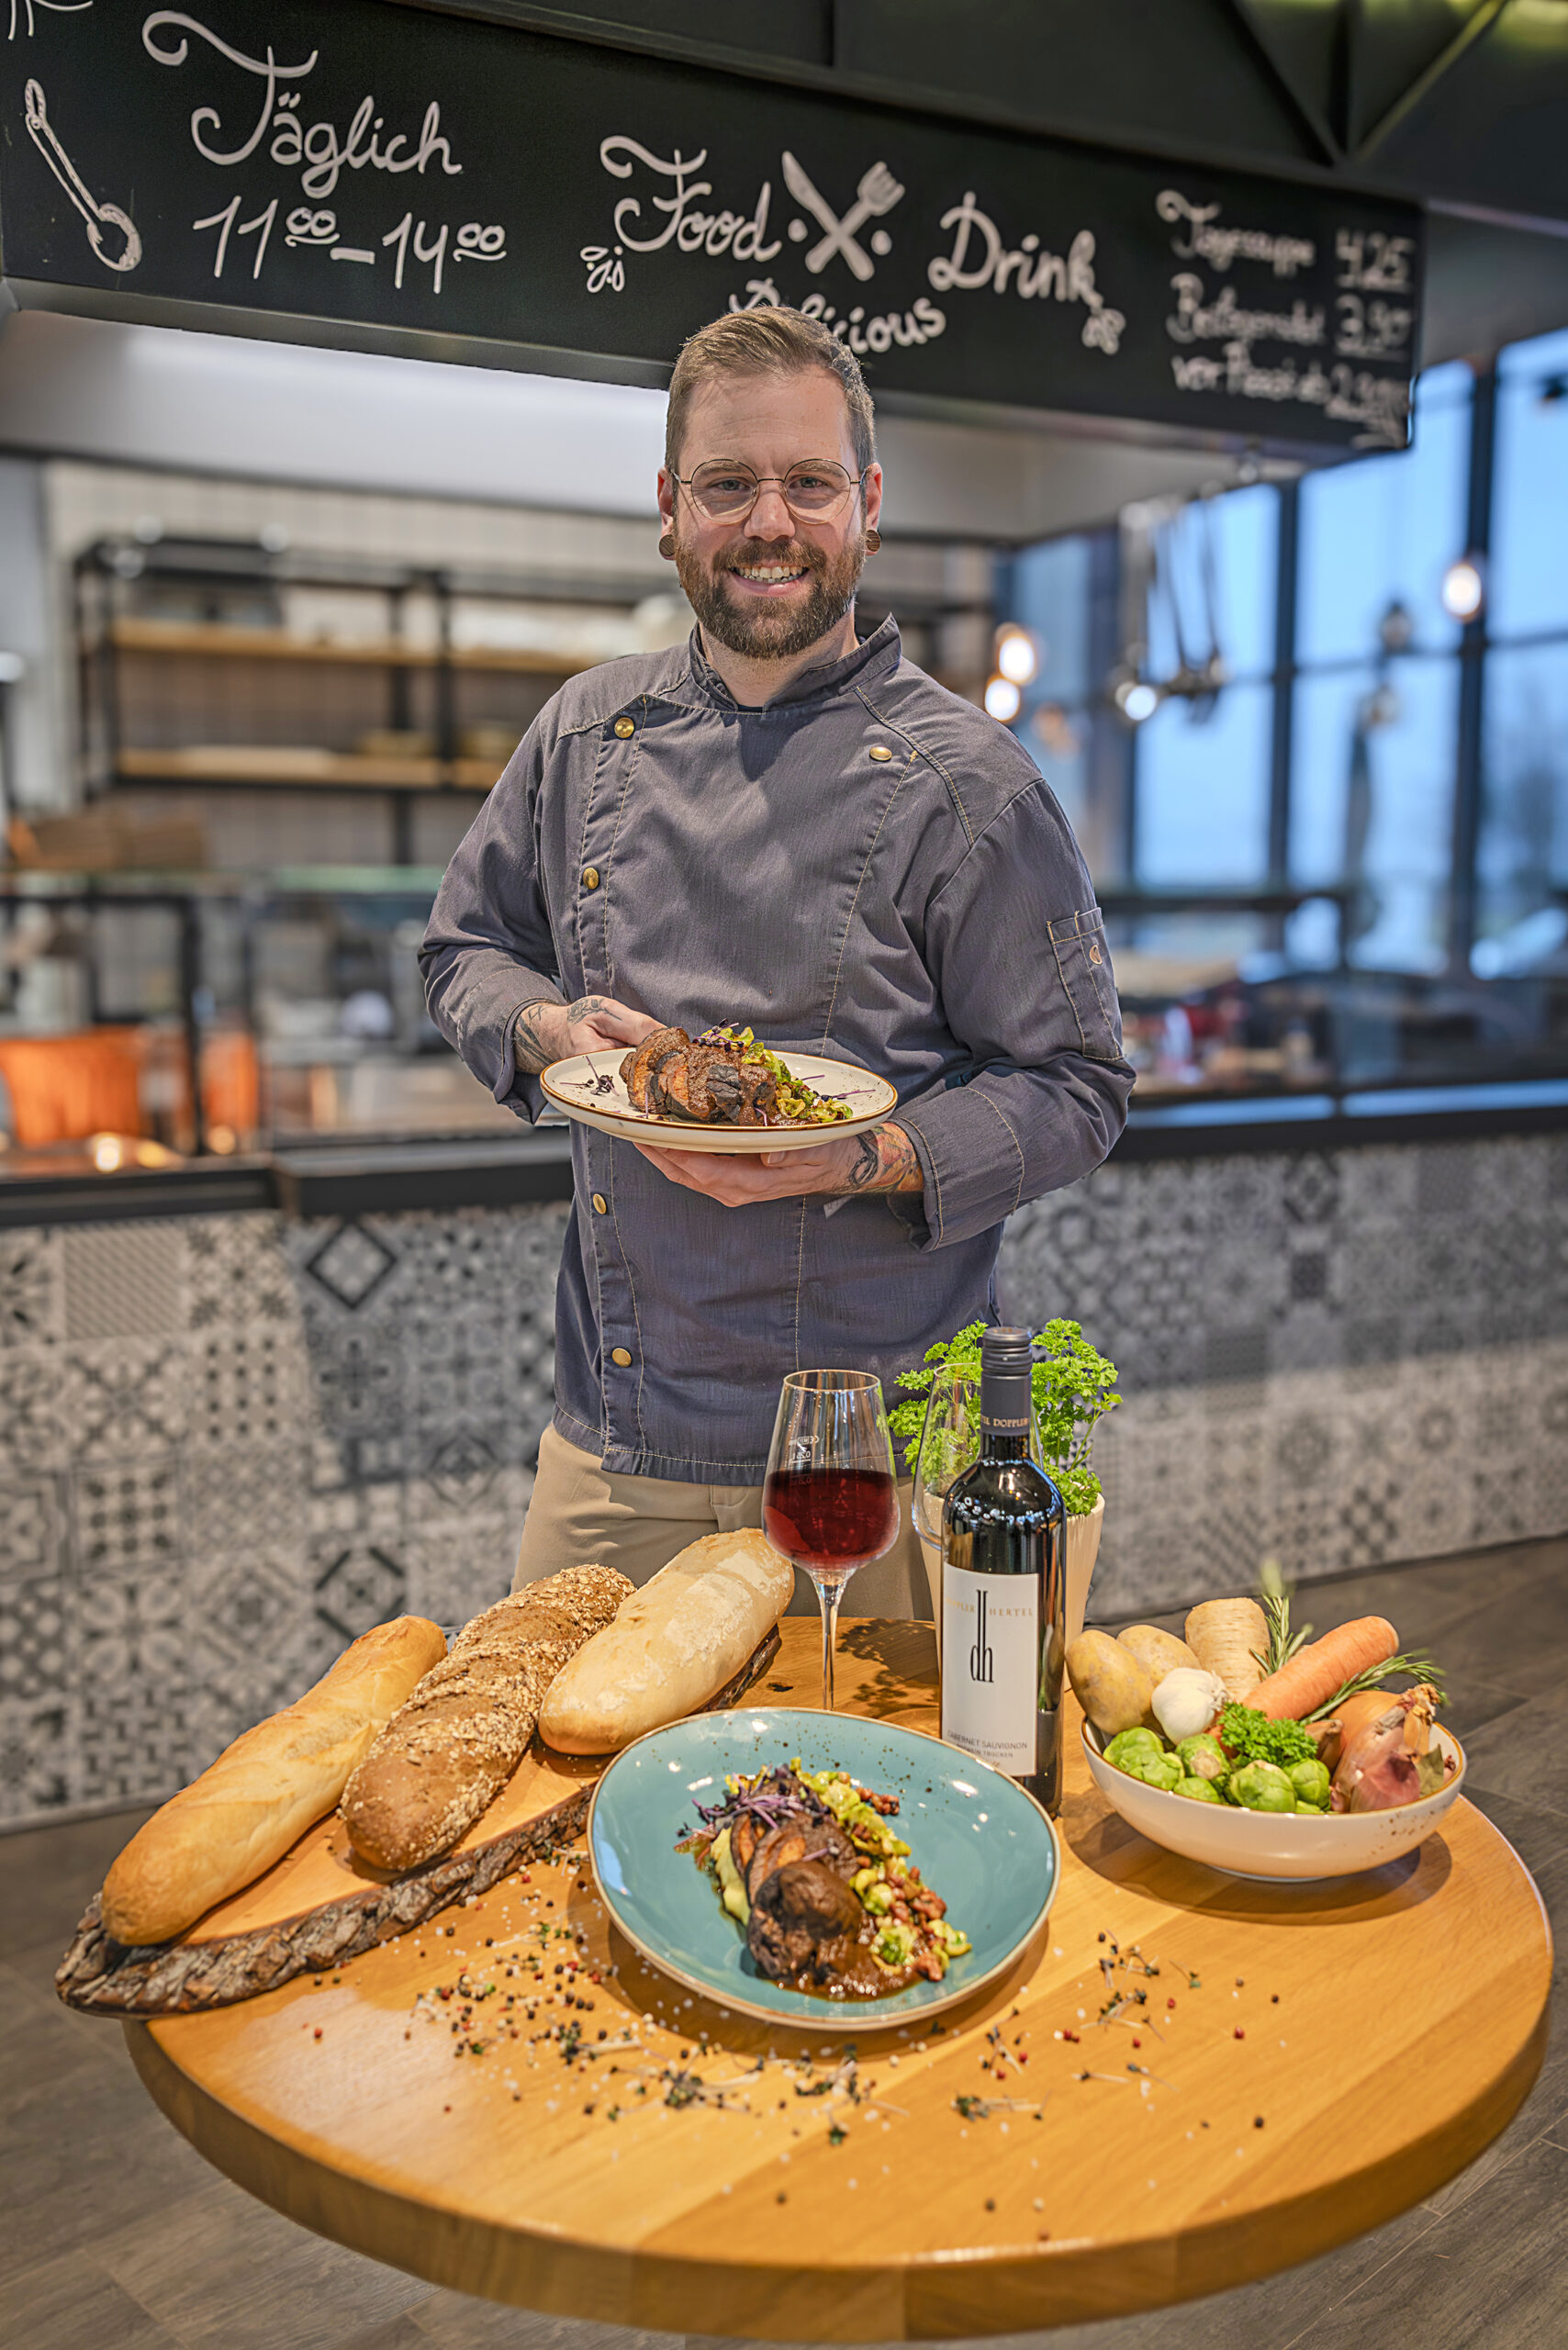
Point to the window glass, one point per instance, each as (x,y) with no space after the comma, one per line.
(1050,596)
(1230,540)
(1385,529)
(1373,795)
(1529,587)
(1202,791)
(1522,861)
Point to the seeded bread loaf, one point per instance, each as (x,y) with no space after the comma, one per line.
(444,1756)
(263,1792)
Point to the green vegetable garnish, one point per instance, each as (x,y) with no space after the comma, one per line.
(1250,1736)
(1197,1790)
(798,1103)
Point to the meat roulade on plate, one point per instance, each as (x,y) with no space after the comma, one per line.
(711,1083)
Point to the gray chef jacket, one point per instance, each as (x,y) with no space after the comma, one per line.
(926,914)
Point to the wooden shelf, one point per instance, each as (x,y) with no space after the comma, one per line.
(216,642)
(278,763)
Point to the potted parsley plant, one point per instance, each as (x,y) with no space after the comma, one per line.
(1074,1387)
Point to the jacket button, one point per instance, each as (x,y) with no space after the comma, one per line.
(590,878)
(880,751)
(625,726)
(618,1355)
(601,1205)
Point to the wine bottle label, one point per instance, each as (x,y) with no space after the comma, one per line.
(991,1667)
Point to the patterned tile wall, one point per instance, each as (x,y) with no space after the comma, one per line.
(228,1445)
(1337,1358)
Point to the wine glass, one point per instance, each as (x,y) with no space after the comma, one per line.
(829,1503)
(949,1443)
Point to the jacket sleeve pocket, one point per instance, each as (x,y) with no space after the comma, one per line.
(1083,962)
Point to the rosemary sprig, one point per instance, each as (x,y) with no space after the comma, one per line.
(1419,1668)
(1275,1599)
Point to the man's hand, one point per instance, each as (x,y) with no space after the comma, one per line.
(554,1032)
(883,1161)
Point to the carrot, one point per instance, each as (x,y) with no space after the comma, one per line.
(1315,1673)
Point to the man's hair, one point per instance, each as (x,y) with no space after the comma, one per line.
(770,341)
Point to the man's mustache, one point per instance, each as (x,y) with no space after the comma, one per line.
(788,551)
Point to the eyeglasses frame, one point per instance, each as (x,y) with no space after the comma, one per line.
(855,483)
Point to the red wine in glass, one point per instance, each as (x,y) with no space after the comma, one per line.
(829,1503)
(830,1521)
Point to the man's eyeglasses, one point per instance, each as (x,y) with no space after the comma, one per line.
(814,491)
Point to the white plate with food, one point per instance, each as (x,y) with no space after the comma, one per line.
(720,1092)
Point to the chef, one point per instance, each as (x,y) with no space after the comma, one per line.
(784,825)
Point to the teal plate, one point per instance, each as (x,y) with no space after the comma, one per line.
(983,1843)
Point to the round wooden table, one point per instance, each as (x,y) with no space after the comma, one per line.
(1304,2063)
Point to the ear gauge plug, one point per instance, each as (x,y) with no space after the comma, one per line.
(873,540)
(667,546)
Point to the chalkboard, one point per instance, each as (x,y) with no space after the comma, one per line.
(369,171)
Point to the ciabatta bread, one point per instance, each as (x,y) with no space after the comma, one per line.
(445,1757)
(672,1647)
(264,1790)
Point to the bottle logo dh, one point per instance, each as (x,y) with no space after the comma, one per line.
(981,1661)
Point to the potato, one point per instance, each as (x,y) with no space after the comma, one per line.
(1158,1652)
(1109,1683)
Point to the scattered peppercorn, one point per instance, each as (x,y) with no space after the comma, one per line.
(1239,2033)
(990,2202)
(781,2197)
(1258,2121)
(318,2032)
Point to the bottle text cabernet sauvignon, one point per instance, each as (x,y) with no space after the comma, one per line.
(1003,1588)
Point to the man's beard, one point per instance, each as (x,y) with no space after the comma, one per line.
(758,628)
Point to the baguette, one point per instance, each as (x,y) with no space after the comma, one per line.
(263,1792)
(447,1754)
(672,1647)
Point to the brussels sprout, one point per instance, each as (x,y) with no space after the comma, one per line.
(1318,1810)
(1197,1790)
(1130,1742)
(1205,1758)
(1262,1786)
(1154,1770)
(1310,1781)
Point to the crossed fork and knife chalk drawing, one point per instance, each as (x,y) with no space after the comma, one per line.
(876,195)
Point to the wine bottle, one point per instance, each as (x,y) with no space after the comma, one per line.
(1005,1586)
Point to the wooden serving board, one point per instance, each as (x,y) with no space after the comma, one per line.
(321,1904)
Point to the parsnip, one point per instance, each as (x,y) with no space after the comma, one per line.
(1224,1634)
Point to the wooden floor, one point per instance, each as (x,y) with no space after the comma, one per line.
(118,2237)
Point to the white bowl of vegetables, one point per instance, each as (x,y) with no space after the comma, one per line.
(1190,1742)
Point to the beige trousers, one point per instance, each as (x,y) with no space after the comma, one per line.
(582,1513)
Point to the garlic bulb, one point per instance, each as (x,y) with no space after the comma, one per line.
(1187,1700)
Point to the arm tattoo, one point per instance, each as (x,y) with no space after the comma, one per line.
(585,1008)
(529,1052)
(885,1161)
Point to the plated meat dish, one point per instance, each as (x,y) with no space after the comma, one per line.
(722,1078)
(830,1901)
